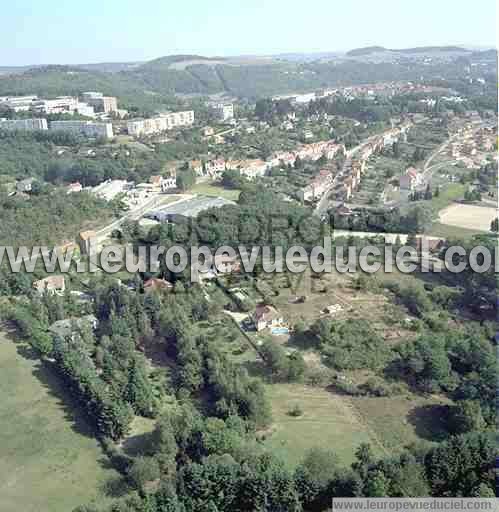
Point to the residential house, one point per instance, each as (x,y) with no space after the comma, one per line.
(348,187)
(155,284)
(215,168)
(74,187)
(51,285)
(156,182)
(318,186)
(266,317)
(197,167)
(25,185)
(252,169)
(169,182)
(411,179)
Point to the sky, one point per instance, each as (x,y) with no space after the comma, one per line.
(47,32)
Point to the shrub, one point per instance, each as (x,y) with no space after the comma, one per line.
(295,411)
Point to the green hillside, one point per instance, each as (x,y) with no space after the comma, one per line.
(155,82)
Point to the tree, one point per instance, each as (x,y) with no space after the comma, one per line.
(275,359)
(428,193)
(459,466)
(396,149)
(142,471)
(376,485)
(186,179)
(466,416)
(138,391)
(494,225)
(313,478)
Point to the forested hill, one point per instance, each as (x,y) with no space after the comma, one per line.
(190,74)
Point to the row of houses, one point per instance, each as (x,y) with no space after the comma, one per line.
(254,168)
(355,167)
(318,187)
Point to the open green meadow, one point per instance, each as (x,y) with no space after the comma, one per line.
(49,459)
(328,421)
(215,190)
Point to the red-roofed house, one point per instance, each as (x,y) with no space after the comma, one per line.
(266,316)
(411,179)
(154,284)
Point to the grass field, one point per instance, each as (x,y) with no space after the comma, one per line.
(210,189)
(447,195)
(400,420)
(328,421)
(49,460)
(446,231)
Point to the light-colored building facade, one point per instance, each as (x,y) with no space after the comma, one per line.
(17,103)
(60,105)
(161,123)
(23,124)
(223,111)
(100,102)
(86,128)
(411,179)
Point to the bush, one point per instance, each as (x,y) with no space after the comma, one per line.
(376,387)
(295,411)
(319,376)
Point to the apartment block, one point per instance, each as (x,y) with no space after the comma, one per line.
(100,102)
(160,123)
(59,105)
(223,111)
(86,128)
(17,103)
(23,124)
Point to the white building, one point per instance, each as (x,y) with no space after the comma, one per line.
(411,179)
(60,105)
(215,168)
(23,124)
(86,128)
(17,103)
(100,102)
(223,111)
(85,110)
(161,123)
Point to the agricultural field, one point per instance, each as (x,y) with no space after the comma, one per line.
(49,457)
(328,420)
(468,216)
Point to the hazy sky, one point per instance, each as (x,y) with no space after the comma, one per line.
(65,32)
